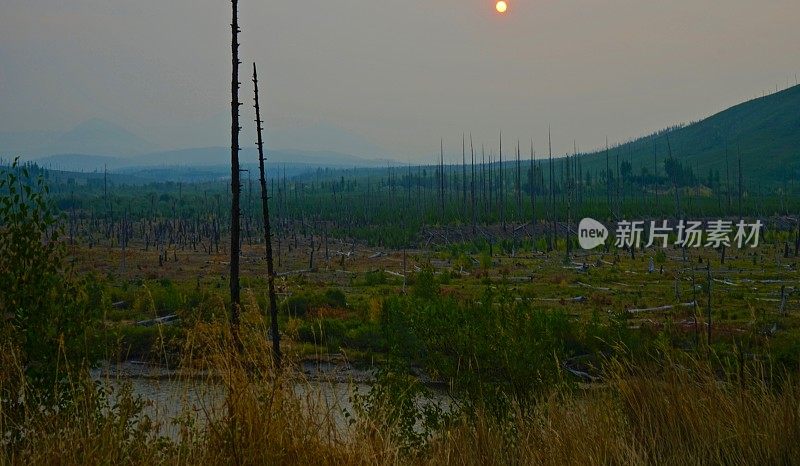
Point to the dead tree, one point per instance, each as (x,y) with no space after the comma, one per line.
(552,237)
(727,178)
(500,181)
(463,175)
(518,185)
(532,182)
(441,177)
(235,185)
(675,186)
(483,181)
(797,238)
(273,301)
(567,241)
(608,181)
(740,181)
(490,178)
(472,185)
(708,270)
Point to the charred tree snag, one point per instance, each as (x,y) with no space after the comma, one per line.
(608,182)
(500,184)
(472,185)
(273,301)
(741,190)
(518,187)
(552,207)
(235,185)
(441,177)
(532,184)
(463,176)
(709,279)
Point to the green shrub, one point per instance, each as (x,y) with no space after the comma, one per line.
(335,297)
(297,305)
(47,315)
(425,284)
(375,278)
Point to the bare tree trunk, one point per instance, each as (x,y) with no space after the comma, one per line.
(708,268)
(472,185)
(727,178)
(694,307)
(441,177)
(740,182)
(551,243)
(518,186)
(502,197)
(235,185)
(569,212)
(273,301)
(532,182)
(463,175)
(483,180)
(608,181)
(797,238)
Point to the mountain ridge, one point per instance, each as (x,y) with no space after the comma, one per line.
(765,131)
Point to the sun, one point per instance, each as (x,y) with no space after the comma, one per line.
(501,6)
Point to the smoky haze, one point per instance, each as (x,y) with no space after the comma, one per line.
(387,79)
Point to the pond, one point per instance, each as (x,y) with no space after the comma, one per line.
(326,391)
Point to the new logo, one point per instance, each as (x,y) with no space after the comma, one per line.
(591,233)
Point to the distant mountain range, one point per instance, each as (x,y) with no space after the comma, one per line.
(766,131)
(206,157)
(90,137)
(96,145)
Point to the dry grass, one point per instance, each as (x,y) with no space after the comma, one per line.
(667,414)
(679,416)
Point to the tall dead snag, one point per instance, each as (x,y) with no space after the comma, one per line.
(463,176)
(273,301)
(739,151)
(797,238)
(552,237)
(709,280)
(502,197)
(518,186)
(608,182)
(727,177)
(532,183)
(441,177)
(235,185)
(472,185)
(483,181)
(569,189)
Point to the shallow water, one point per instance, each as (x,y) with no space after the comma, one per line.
(169,397)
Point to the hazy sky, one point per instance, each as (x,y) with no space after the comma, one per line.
(399,73)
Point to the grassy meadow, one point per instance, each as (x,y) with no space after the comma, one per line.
(506,346)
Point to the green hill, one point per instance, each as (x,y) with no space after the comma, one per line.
(766,131)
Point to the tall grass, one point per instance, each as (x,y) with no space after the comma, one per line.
(673,412)
(683,414)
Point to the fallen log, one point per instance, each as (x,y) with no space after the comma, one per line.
(660,308)
(594,287)
(292,272)
(576,299)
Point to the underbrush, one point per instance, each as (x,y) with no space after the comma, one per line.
(674,410)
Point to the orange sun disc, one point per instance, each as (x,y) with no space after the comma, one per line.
(501,6)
